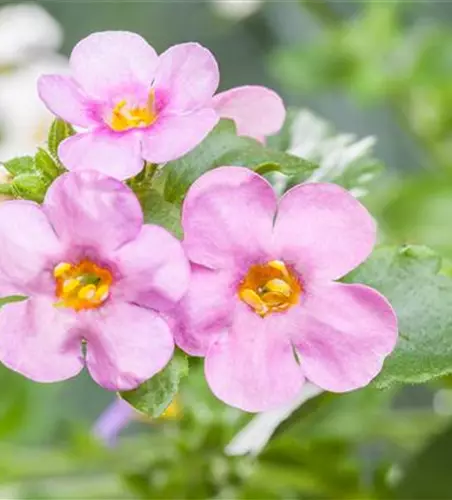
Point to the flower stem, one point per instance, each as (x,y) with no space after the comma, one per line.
(150,170)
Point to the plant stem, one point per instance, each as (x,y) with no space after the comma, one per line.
(149,171)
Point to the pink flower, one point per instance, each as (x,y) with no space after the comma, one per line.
(111,422)
(263,306)
(139,106)
(257,111)
(96,279)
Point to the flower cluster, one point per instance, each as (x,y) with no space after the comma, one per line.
(252,287)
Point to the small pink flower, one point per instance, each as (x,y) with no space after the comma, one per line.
(263,306)
(96,279)
(113,420)
(137,105)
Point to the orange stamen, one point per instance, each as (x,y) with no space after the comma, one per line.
(270,287)
(81,286)
(126,118)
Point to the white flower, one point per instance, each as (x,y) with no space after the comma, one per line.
(24,120)
(338,156)
(29,36)
(254,436)
(25,31)
(236,9)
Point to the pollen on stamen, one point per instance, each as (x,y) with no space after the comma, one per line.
(61,269)
(102,293)
(251,298)
(125,116)
(279,286)
(70,285)
(82,286)
(271,287)
(279,265)
(88,292)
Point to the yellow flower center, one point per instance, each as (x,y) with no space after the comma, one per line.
(81,286)
(125,118)
(270,287)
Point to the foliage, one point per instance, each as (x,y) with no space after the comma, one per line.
(222,148)
(155,395)
(409,278)
(32,176)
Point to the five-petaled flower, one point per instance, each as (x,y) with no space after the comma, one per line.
(139,106)
(263,306)
(97,282)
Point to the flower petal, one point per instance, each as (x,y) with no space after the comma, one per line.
(256,111)
(253,366)
(113,420)
(103,62)
(113,154)
(8,289)
(29,247)
(343,336)
(323,230)
(36,340)
(90,210)
(227,218)
(154,268)
(187,77)
(204,311)
(65,99)
(173,136)
(127,345)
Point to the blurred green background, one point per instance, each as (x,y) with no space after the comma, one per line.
(381,68)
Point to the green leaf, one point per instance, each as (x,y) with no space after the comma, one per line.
(14,404)
(46,165)
(157,210)
(6,190)
(155,395)
(30,187)
(12,298)
(223,147)
(408,277)
(427,219)
(31,177)
(20,165)
(427,476)
(59,131)
(309,410)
